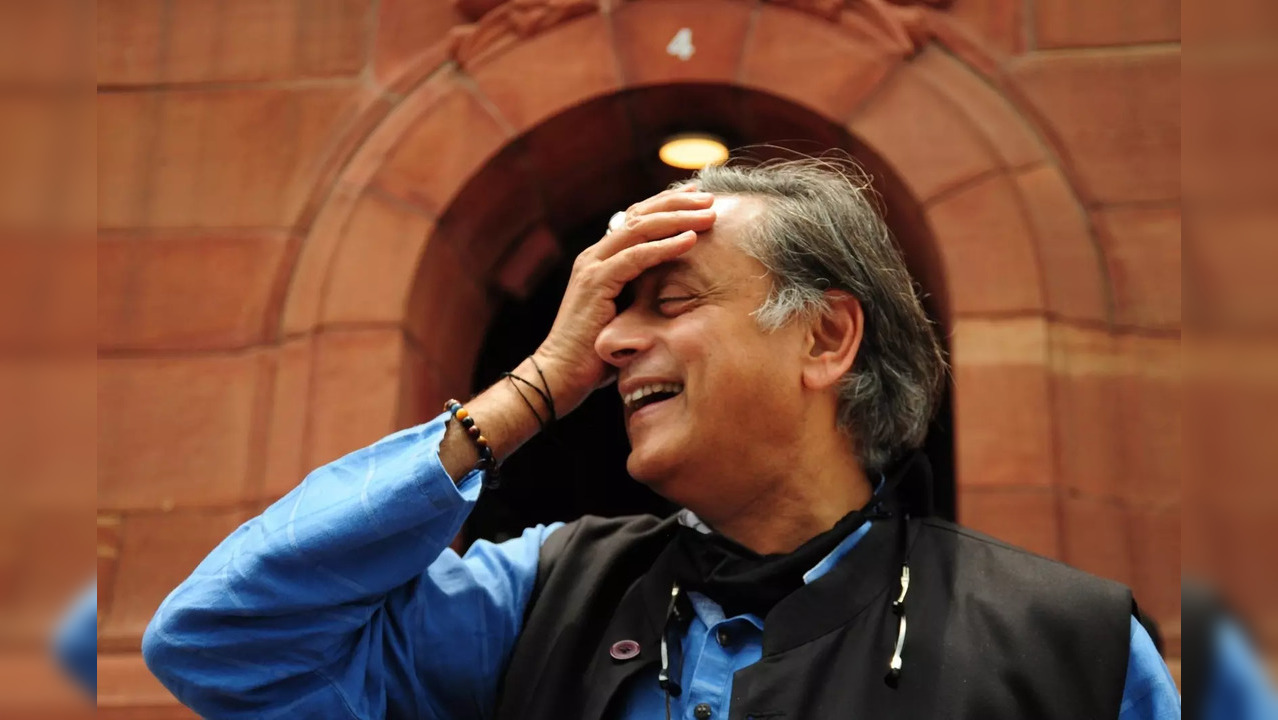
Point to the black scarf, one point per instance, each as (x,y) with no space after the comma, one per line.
(743,581)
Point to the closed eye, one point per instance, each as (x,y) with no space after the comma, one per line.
(673,306)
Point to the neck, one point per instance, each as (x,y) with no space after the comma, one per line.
(815,489)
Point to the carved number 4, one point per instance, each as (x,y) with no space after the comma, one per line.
(681,44)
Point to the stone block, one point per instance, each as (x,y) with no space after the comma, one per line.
(573,62)
(147,42)
(844,69)
(1013,139)
(1114,116)
(158,551)
(176,431)
(1142,249)
(128,691)
(1096,537)
(376,262)
(927,141)
(1024,517)
(233,157)
(1156,569)
(1086,415)
(188,290)
(998,25)
(1071,266)
(1002,411)
(289,409)
(406,31)
(1093,23)
(453,138)
(356,391)
(1149,402)
(987,249)
(650,35)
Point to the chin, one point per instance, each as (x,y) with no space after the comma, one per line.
(653,469)
(667,476)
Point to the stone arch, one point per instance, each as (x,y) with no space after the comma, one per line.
(391,248)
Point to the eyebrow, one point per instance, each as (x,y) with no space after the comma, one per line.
(659,272)
(672,266)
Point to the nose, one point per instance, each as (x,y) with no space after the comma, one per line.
(622,339)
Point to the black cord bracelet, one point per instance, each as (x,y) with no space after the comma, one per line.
(550,400)
(541,424)
(545,397)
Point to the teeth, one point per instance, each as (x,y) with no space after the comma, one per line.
(647,390)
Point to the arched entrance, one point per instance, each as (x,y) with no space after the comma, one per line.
(581,468)
(481,164)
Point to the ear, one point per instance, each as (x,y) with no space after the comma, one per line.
(833,341)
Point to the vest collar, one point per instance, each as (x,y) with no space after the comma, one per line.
(813,610)
(833,600)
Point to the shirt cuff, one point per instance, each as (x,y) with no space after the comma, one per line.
(437,484)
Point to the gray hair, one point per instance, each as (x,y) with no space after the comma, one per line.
(822,232)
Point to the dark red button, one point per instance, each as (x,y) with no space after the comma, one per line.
(624,650)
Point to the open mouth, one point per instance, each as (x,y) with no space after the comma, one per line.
(650,395)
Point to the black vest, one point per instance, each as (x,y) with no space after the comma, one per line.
(993,631)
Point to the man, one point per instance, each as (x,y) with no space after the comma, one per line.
(778,373)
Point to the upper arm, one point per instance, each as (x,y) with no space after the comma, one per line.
(434,647)
(455,629)
(1149,692)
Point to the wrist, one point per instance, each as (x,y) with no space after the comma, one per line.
(557,381)
(504,418)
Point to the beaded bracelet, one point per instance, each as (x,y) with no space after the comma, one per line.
(487,460)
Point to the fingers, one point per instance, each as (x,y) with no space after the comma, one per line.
(653,226)
(685,197)
(631,262)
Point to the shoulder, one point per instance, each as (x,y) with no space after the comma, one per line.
(1019,571)
(590,553)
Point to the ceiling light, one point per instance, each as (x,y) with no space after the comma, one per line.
(693,151)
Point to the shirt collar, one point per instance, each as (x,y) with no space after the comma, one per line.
(711,614)
(690,519)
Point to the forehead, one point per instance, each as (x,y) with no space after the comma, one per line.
(735,215)
(718,253)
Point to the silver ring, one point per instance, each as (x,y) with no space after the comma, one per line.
(617,221)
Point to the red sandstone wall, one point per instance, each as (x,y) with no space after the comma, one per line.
(225,127)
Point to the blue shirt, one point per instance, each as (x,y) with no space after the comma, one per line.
(1237,686)
(343,600)
(76,640)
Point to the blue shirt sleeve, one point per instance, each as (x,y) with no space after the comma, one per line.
(1149,692)
(343,599)
(1237,686)
(76,642)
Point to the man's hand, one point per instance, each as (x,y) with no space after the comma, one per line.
(655,231)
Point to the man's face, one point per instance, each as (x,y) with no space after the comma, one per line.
(687,327)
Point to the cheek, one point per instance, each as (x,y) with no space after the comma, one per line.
(749,382)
